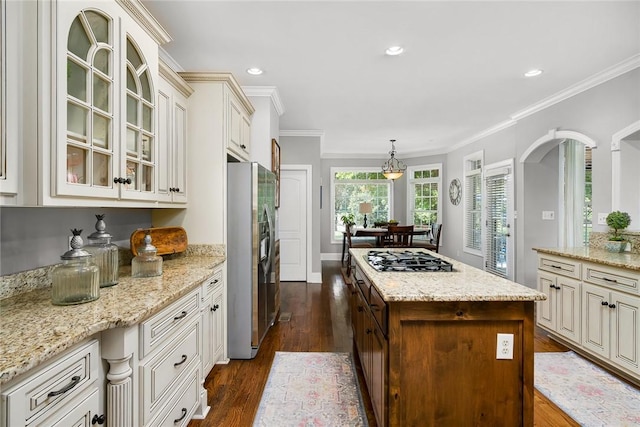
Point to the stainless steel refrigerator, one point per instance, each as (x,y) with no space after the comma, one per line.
(251,288)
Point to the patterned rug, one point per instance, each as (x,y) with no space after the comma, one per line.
(586,392)
(311,389)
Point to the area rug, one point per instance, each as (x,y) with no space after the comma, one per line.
(586,392)
(311,389)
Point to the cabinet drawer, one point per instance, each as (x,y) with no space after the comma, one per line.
(559,265)
(379,309)
(52,386)
(185,403)
(616,278)
(157,328)
(77,414)
(168,367)
(212,283)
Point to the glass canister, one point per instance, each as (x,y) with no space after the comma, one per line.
(147,263)
(77,279)
(105,253)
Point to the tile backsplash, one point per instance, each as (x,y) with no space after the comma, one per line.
(597,240)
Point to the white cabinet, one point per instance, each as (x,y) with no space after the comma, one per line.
(560,313)
(89,125)
(239,134)
(214,320)
(611,325)
(9,103)
(593,308)
(172,136)
(171,347)
(65,391)
(209,124)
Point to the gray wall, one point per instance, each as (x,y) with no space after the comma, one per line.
(36,237)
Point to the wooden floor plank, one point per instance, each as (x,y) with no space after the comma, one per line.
(319,322)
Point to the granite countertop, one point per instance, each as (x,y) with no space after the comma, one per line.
(33,330)
(464,283)
(626,260)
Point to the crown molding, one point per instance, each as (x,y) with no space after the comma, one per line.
(591,82)
(268,91)
(168,59)
(143,17)
(174,79)
(482,134)
(223,77)
(309,132)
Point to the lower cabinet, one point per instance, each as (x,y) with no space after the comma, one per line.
(434,363)
(593,308)
(65,391)
(213,321)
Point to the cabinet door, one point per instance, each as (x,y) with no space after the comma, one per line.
(245,145)
(595,319)
(378,388)
(164,137)
(625,330)
(207,336)
(568,308)
(179,147)
(235,125)
(78,414)
(218,325)
(546,310)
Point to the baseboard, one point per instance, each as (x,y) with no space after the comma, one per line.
(314,278)
(331,256)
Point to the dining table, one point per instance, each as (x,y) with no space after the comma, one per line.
(379,233)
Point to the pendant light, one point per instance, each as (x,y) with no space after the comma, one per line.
(393,168)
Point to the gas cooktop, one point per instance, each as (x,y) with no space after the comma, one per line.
(406,261)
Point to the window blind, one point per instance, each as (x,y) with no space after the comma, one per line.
(473,211)
(497,187)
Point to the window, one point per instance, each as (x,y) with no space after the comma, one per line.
(473,203)
(588,211)
(425,198)
(350,187)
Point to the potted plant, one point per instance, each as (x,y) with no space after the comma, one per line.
(617,221)
(348,220)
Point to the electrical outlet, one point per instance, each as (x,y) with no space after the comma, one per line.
(504,347)
(602,219)
(548,215)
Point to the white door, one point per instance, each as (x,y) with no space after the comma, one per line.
(499,219)
(292,219)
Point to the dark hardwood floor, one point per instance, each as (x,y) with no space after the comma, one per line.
(319,322)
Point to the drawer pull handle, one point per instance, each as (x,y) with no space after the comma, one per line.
(609,280)
(184,414)
(555,266)
(375,307)
(184,359)
(74,382)
(181,316)
(215,281)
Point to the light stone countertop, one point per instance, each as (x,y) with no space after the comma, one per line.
(626,260)
(32,330)
(465,283)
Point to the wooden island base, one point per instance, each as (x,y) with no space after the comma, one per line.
(432,363)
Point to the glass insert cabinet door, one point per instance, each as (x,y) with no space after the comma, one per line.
(104,144)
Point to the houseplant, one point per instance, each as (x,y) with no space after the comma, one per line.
(617,221)
(348,220)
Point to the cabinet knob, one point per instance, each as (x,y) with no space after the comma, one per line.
(126,181)
(612,306)
(244,147)
(369,331)
(117,180)
(215,307)
(604,303)
(98,419)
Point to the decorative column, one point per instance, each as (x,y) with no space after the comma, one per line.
(119,393)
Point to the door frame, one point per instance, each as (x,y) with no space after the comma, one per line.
(308,169)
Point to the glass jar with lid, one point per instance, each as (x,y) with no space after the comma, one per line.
(105,253)
(147,263)
(77,279)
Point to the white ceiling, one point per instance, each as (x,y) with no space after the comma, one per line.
(461,72)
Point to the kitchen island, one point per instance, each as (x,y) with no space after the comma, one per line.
(429,344)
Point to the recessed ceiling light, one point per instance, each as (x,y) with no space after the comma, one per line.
(533,73)
(394,50)
(254,71)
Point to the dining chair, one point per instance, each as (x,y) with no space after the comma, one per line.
(400,236)
(434,243)
(354,244)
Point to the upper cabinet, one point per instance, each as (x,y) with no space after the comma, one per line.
(173,92)
(239,134)
(96,105)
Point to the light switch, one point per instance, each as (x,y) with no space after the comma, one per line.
(602,219)
(548,215)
